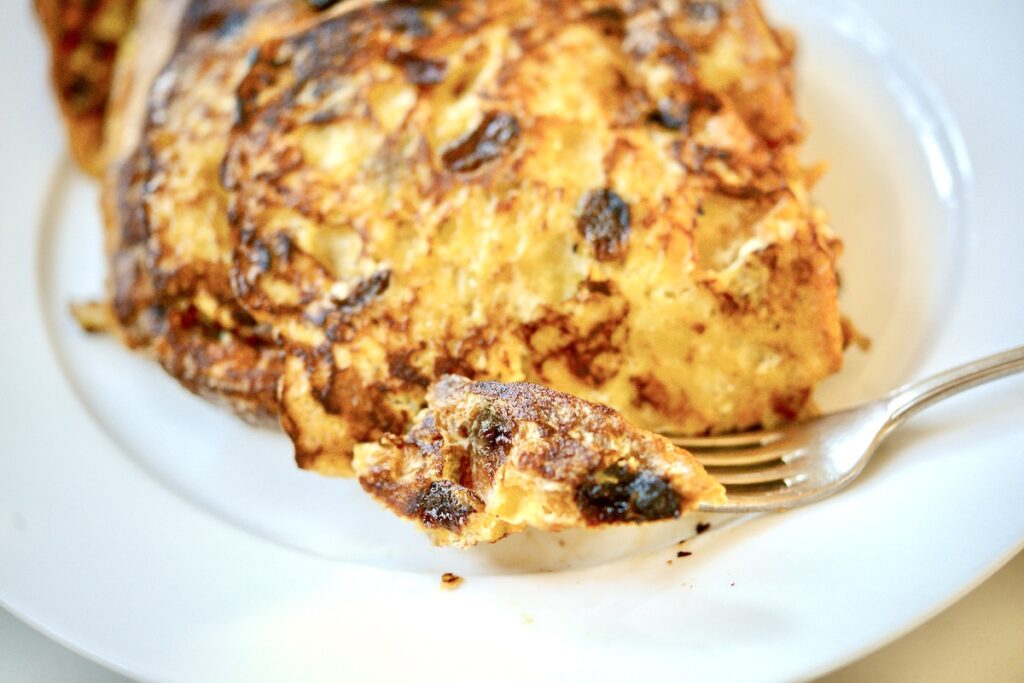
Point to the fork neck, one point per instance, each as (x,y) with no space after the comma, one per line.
(911,398)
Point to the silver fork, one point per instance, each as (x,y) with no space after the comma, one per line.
(800,463)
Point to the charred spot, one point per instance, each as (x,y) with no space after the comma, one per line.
(745,192)
(400,367)
(408,19)
(326,115)
(707,101)
(611,20)
(453,365)
(604,221)
(728,304)
(707,12)
(493,137)
(259,256)
(283,246)
(242,318)
(602,287)
(440,505)
(789,406)
(702,527)
(618,494)
(221,23)
(365,291)
(803,271)
(126,270)
(672,115)
(703,153)
(650,391)
(699,328)
(420,70)
(592,351)
(80,94)
(490,432)
(425,437)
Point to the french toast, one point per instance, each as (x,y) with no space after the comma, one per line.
(166,210)
(84,38)
(604,198)
(376,222)
(486,459)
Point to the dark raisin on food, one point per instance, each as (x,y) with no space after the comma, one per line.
(672,115)
(320,5)
(490,432)
(422,71)
(495,134)
(441,506)
(604,221)
(618,494)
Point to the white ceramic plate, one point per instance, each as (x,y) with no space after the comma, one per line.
(158,535)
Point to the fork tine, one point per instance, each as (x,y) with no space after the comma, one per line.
(723,441)
(789,472)
(772,497)
(748,456)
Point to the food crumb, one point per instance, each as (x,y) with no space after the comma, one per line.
(450,581)
(702,527)
(92,316)
(683,553)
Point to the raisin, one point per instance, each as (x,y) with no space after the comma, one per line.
(440,505)
(490,432)
(604,222)
(320,5)
(421,71)
(671,115)
(618,494)
(497,132)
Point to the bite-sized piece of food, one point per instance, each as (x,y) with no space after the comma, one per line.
(84,37)
(603,197)
(486,459)
(166,212)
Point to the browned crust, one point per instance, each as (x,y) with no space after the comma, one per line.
(84,37)
(224,357)
(289,88)
(487,458)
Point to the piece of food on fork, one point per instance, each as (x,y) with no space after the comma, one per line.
(486,459)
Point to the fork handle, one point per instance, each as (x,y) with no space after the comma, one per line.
(910,398)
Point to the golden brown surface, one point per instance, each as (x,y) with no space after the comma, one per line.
(84,36)
(316,215)
(486,459)
(600,197)
(166,211)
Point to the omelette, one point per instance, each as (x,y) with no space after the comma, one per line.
(375,222)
